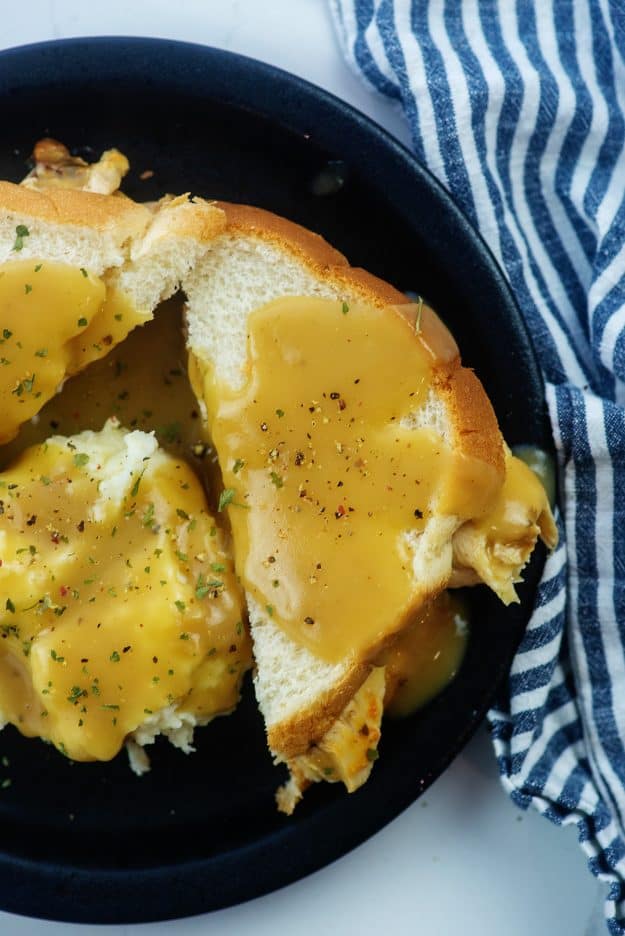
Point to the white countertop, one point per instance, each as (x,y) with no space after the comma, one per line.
(463,859)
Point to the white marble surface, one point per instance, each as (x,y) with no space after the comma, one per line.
(462,860)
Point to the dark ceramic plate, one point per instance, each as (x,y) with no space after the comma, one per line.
(94,843)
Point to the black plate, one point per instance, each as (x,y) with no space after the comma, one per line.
(94,843)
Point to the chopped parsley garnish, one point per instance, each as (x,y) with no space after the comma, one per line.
(82,322)
(279,413)
(114,657)
(24,386)
(344,308)
(6,334)
(27,288)
(203,588)
(42,352)
(239,463)
(269,610)
(180,605)
(182,513)
(21,231)
(75,694)
(81,459)
(218,567)
(148,516)
(226,497)
(276,480)
(372,754)
(84,272)
(10,606)
(135,488)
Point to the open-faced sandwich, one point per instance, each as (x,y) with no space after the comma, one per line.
(358,474)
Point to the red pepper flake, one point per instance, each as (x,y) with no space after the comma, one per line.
(340,512)
(55,537)
(107,340)
(81,526)
(342,404)
(63,590)
(31,520)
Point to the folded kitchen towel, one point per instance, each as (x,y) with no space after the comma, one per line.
(518,108)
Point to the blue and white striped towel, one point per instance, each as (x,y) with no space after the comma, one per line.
(519,109)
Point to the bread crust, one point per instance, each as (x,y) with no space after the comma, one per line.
(75,207)
(186,216)
(471,415)
(295,736)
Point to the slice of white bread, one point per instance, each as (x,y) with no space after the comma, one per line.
(141,251)
(303,699)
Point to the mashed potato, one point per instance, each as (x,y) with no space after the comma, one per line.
(121,617)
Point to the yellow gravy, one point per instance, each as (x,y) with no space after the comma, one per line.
(142,382)
(113,606)
(54,320)
(426,656)
(324,471)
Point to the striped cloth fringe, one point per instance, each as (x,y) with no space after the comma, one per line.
(519,109)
